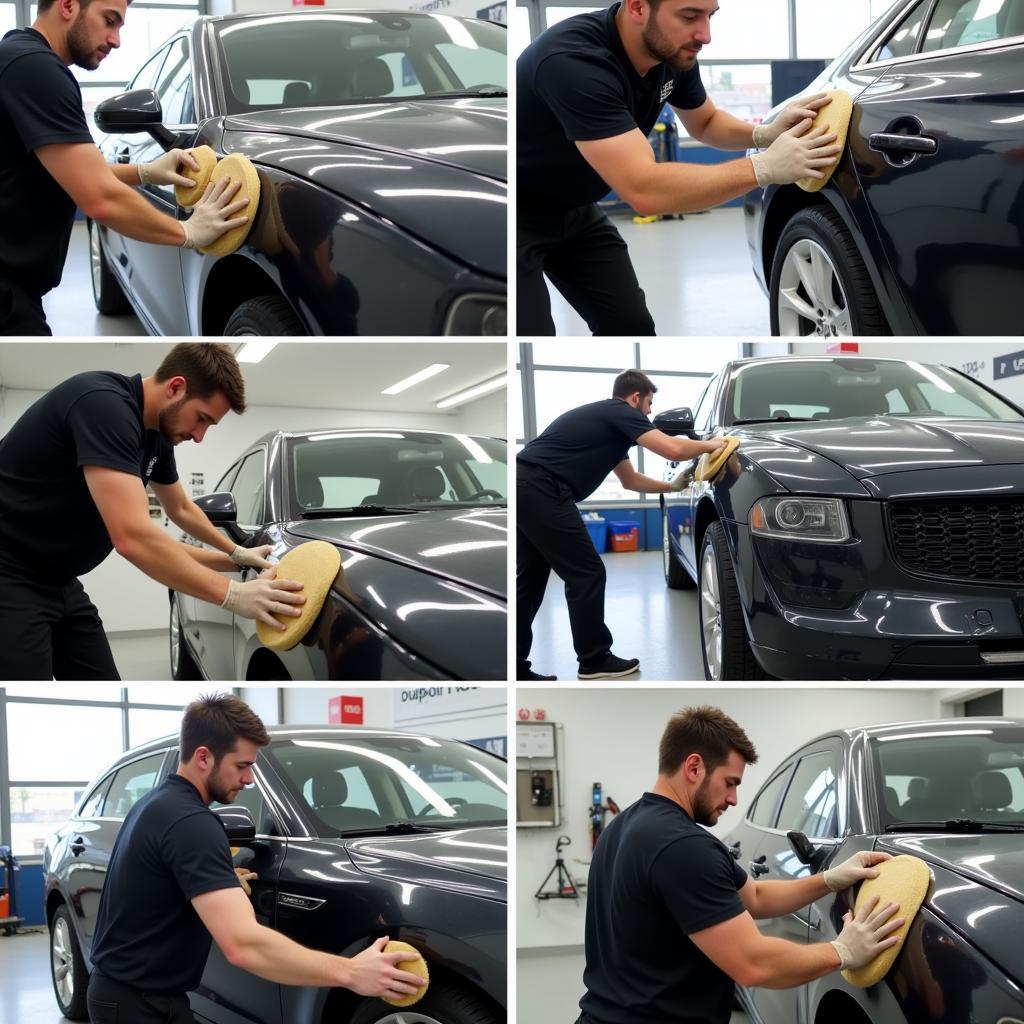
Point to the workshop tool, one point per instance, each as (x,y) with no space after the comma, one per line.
(315,565)
(709,464)
(207,160)
(905,881)
(837,116)
(414,965)
(598,809)
(565,887)
(9,919)
(238,168)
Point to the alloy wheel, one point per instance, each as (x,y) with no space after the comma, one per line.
(811,298)
(711,613)
(62,959)
(175,639)
(409,1016)
(95,259)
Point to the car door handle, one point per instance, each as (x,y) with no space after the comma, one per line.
(891,142)
(78,846)
(734,849)
(758,866)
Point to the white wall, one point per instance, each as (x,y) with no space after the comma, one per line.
(486,416)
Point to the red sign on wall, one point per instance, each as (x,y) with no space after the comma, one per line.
(307,3)
(840,348)
(345,710)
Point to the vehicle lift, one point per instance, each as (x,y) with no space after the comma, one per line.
(9,919)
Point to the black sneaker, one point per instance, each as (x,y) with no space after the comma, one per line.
(609,667)
(527,675)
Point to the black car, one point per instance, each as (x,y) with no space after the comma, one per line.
(920,229)
(420,519)
(950,792)
(354,833)
(870,525)
(380,142)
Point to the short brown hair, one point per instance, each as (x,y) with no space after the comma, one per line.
(208,367)
(218,721)
(45,5)
(707,731)
(630,381)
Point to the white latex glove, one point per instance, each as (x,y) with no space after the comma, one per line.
(790,117)
(251,558)
(682,480)
(865,936)
(164,169)
(796,153)
(245,876)
(214,214)
(375,973)
(264,597)
(856,869)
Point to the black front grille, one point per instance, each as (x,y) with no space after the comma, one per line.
(971,539)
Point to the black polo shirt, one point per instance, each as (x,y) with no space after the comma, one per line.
(171,848)
(50,528)
(574,83)
(656,878)
(40,104)
(582,446)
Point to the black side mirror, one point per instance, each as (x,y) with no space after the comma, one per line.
(238,824)
(675,422)
(805,851)
(219,507)
(135,111)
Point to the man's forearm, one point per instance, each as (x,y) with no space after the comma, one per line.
(685,187)
(774,899)
(150,549)
(724,131)
(274,957)
(778,963)
(126,211)
(211,559)
(127,174)
(647,485)
(191,519)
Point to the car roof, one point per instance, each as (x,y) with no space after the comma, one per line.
(932,727)
(328,12)
(275,435)
(849,357)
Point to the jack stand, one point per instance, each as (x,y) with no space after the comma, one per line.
(565,886)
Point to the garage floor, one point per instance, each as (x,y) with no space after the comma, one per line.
(695,273)
(142,656)
(70,309)
(647,620)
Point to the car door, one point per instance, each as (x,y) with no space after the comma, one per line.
(938,142)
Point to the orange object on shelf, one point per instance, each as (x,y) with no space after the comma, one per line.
(624,536)
(5,905)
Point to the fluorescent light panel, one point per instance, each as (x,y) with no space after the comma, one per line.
(431,371)
(474,392)
(254,351)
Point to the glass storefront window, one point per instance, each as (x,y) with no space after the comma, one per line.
(45,744)
(37,813)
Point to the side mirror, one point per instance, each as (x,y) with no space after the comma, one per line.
(135,111)
(238,824)
(675,422)
(805,851)
(218,507)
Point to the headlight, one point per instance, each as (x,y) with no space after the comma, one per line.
(811,519)
(477,315)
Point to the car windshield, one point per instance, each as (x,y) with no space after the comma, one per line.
(403,468)
(974,772)
(391,781)
(315,60)
(832,389)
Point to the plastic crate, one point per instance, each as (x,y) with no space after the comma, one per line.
(624,536)
(598,530)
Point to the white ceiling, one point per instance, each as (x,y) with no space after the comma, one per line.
(326,375)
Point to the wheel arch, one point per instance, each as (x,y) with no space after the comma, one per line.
(229,283)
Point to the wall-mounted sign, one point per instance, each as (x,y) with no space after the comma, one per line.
(345,710)
(1011,365)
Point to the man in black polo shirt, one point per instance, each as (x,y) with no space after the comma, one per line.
(49,164)
(560,467)
(670,915)
(588,92)
(73,473)
(170,888)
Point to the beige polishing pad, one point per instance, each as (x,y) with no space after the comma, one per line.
(708,465)
(238,168)
(417,966)
(837,116)
(904,880)
(314,565)
(207,160)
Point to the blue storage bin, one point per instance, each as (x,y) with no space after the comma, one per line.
(598,530)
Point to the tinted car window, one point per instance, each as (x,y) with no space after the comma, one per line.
(902,41)
(968,22)
(810,802)
(146,76)
(175,89)
(705,408)
(93,804)
(763,811)
(131,783)
(248,490)
(251,798)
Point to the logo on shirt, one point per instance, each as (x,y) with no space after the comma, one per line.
(666,90)
(149,468)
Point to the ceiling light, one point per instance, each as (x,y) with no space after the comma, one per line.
(431,371)
(254,351)
(474,392)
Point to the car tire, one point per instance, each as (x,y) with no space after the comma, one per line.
(67,967)
(267,316)
(676,577)
(724,645)
(444,1003)
(183,665)
(106,292)
(817,263)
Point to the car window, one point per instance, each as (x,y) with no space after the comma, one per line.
(94,801)
(248,490)
(810,802)
(902,40)
(175,88)
(131,783)
(402,75)
(705,408)
(224,483)
(767,800)
(146,76)
(967,22)
(356,789)
(252,799)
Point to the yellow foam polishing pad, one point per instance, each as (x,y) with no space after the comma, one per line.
(237,168)
(837,116)
(415,965)
(709,464)
(905,881)
(207,160)
(314,565)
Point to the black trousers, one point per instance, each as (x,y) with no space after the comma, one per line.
(586,259)
(110,1002)
(50,631)
(550,535)
(21,311)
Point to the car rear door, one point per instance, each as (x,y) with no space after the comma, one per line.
(938,143)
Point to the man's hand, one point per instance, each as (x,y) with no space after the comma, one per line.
(264,597)
(790,117)
(712,445)
(214,214)
(374,973)
(164,170)
(865,936)
(796,153)
(245,876)
(252,558)
(856,869)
